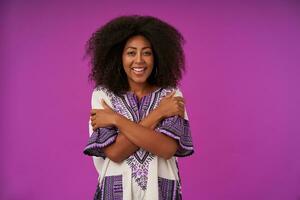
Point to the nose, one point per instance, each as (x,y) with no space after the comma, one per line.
(139,58)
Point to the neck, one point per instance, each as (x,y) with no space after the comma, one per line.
(139,88)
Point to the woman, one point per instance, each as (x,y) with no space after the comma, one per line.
(138,123)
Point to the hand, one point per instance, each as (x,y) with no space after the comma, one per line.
(101,118)
(171,106)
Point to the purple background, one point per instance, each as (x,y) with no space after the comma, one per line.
(241,88)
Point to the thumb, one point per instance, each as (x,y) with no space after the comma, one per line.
(104,104)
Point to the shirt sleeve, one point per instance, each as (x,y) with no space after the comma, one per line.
(101,137)
(178,128)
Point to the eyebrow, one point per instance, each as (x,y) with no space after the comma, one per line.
(136,48)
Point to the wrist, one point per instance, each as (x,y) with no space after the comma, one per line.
(159,113)
(116,119)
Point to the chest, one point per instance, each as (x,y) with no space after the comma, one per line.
(134,108)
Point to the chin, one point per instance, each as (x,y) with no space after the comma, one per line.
(141,80)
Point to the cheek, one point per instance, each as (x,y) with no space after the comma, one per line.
(125,63)
(151,60)
(151,63)
(126,68)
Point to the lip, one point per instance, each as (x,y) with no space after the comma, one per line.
(143,69)
(139,68)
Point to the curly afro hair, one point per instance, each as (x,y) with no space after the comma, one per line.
(105,48)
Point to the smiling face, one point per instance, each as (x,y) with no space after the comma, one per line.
(137,60)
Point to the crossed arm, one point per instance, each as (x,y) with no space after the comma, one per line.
(132,136)
(122,148)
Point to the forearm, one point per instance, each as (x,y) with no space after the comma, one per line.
(122,148)
(158,144)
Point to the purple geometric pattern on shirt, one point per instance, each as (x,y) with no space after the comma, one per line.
(110,189)
(139,161)
(179,129)
(139,167)
(129,106)
(168,189)
(100,138)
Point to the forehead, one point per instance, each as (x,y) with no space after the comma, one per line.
(138,41)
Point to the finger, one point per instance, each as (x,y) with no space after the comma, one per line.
(104,104)
(180,101)
(181,113)
(171,94)
(93,111)
(95,127)
(181,107)
(179,98)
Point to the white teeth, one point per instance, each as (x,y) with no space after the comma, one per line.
(138,69)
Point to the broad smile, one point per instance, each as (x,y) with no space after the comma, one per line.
(138,70)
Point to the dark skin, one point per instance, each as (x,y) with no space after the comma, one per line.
(130,140)
(138,64)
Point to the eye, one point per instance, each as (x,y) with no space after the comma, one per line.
(148,53)
(131,53)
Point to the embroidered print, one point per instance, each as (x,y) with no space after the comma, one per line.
(139,161)
(99,139)
(135,110)
(178,128)
(111,189)
(129,106)
(139,164)
(168,189)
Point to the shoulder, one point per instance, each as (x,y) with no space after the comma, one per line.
(99,93)
(102,91)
